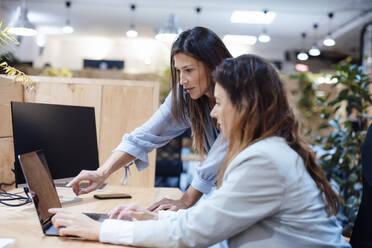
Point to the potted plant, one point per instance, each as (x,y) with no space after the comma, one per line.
(7,41)
(341,158)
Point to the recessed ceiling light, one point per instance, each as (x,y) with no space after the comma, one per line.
(257,17)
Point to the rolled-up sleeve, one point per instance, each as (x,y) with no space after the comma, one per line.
(206,173)
(156,132)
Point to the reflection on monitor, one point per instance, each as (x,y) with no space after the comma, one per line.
(67,134)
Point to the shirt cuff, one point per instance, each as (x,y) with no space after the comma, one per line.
(201,185)
(166,214)
(141,157)
(116,232)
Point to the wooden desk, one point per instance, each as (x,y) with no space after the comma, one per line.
(21,223)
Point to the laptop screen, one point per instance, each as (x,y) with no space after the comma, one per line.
(44,195)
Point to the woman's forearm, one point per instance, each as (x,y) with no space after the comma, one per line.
(114,162)
(191,196)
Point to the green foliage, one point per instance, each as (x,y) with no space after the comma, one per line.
(51,72)
(342,157)
(165,83)
(6,41)
(307,102)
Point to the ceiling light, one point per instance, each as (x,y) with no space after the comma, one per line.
(132,33)
(329,41)
(23,27)
(257,17)
(264,37)
(302,67)
(170,30)
(302,56)
(240,39)
(314,51)
(68,29)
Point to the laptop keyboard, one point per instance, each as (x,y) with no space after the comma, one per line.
(101,217)
(96,216)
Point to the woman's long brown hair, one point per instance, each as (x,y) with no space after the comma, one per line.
(205,46)
(256,91)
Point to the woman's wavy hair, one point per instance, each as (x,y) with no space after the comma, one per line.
(256,91)
(205,46)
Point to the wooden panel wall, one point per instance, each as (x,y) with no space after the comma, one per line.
(120,107)
(8,92)
(124,109)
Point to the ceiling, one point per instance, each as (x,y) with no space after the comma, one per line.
(111,18)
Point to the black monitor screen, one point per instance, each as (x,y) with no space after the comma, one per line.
(67,134)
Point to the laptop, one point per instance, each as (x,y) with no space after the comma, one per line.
(43,192)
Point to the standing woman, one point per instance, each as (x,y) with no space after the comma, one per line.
(271,193)
(194,56)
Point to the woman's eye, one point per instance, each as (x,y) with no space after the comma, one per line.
(188,70)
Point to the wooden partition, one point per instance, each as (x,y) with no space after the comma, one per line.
(8,92)
(120,107)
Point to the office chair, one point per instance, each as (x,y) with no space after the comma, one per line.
(168,161)
(361,236)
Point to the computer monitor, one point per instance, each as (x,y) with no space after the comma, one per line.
(67,134)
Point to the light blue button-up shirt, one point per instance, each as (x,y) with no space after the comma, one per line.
(161,128)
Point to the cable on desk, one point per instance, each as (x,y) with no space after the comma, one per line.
(8,199)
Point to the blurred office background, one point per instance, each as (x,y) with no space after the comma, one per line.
(120,39)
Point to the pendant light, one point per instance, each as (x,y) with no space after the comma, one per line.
(170,30)
(264,37)
(68,29)
(329,41)
(132,33)
(23,27)
(302,55)
(314,50)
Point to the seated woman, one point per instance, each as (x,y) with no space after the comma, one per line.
(271,191)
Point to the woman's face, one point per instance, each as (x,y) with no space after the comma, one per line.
(223,111)
(192,75)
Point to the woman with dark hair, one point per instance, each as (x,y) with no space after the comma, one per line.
(271,191)
(194,55)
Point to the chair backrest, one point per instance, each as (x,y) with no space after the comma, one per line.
(362,232)
(168,159)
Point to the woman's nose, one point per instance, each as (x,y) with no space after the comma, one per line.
(182,80)
(213,112)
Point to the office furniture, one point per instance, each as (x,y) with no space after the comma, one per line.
(22,224)
(120,107)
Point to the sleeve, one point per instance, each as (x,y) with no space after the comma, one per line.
(250,192)
(206,173)
(156,132)
(116,232)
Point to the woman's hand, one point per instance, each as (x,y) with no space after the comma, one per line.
(76,224)
(94,178)
(132,211)
(167,204)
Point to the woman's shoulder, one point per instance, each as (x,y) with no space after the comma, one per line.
(274,150)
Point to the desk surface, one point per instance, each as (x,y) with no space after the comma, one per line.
(21,223)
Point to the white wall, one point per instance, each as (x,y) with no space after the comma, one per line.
(70,51)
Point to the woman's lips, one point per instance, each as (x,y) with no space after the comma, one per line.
(188,90)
